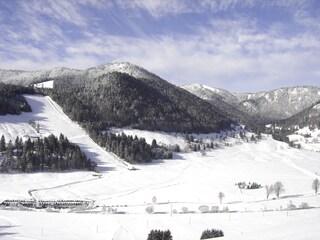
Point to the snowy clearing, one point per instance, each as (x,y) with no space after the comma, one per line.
(46,84)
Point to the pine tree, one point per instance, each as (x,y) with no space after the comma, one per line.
(2,144)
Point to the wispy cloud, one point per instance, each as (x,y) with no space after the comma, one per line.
(235,51)
(157,8)
(62,10)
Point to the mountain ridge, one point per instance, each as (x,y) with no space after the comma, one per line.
(277,104)
(248,108)
(22,77)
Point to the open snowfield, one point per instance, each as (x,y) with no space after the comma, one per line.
(189,180)
(15,225)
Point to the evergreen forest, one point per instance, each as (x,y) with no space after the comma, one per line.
(11,99)
(47,154)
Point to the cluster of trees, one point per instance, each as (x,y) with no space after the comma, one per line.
(11,99)
(159,235)
(244,185)
(166,235)
(47,154)
(213,233)
(132,149)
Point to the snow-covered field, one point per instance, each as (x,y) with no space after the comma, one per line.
(302,224)
(189,180)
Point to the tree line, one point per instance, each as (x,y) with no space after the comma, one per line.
(131,149)
(47,154)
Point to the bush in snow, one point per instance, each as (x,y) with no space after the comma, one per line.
(291,206)
(149,209)
(159,235)
(304,205)
(184,209)
(215,209)
(204,208)
(213,233)
(226,209)
(112,210)
(154,199)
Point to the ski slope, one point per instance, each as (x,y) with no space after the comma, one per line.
(189,180)
(52,120)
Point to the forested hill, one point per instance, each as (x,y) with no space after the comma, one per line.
(11,99)
(119,99)
(308,117)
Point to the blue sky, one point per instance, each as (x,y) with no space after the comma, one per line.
(238,45)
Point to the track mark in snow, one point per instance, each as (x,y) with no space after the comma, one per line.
(303,170)
(32,191)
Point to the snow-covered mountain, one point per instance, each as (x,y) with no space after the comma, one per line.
(210,93)
(308,117)
(226,102)
(266,106)
(30,77)
(276,104)
(282,103)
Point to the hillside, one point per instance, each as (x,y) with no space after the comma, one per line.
(308,117)
(227,103)
(283,103)
(119,99)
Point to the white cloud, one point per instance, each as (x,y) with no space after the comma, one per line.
(232,53)
(233,56)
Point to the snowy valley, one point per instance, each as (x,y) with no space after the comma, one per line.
(175,188)
(224,179)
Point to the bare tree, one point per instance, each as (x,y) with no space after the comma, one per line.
(221,196)
(278,188)
(316,185)
(269,190)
